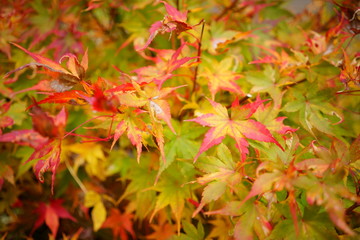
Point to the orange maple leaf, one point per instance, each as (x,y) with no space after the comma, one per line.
(120,223)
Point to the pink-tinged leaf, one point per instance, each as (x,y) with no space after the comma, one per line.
(262,184)
(48,159)
(257,131)
(281,128)
(161,109)
(154,30)
(166,63)
(237,127)
(61,118)
(120,129)
(63,79)
(5,121)
(212,137)
(29,138)
(247,110)
(43,60)
(93,4)
(174,21)
(336,213)
(135,137)
(174,13)
(44,86)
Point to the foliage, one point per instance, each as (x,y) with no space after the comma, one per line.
(179,120)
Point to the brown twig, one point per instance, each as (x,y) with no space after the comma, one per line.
(198,55)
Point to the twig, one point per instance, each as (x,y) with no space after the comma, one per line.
(226,10)
(198,56)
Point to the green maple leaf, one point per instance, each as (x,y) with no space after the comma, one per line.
(173,192)
(180,146)
(315,110)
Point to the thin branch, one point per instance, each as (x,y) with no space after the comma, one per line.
(226,10)
(198,56)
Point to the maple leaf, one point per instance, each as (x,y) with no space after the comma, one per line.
(221,172)
(220,76)
(150,98)
(26,137)
(162,230)
(267,115)
(174,21)
(135,128)
(164,68)
(63,79)
(238,126)
(5,121)
(73,97)
(120,223)
(350,73)
(98,214)
(45,138)
(50,214)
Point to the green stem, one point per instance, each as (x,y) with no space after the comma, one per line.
(76,178)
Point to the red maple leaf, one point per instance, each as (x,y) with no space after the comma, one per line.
(50,214)
(63,79)
(120,223)
(174,21)
(45,138)
(238,126)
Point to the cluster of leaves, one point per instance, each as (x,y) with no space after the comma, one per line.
(183,120)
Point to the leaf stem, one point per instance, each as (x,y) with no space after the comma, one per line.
(76,178)
(67,134)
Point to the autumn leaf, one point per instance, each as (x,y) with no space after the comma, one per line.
(238,126)
(63,79)
(50,214)
(45,138)
(24,137)
(164,67)
(120,223)
(173,21)
(72,97)
(98,214)
(162,230)
(135,129)
(5,121)
(221,77)
(220,174)
(152,99)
